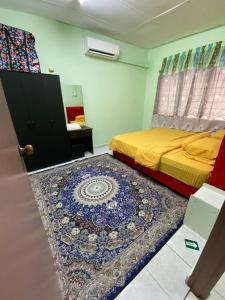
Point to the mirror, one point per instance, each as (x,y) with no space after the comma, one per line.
(73,104)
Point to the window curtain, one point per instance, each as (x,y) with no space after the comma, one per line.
(191,90)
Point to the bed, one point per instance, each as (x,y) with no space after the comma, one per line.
(181,160)
(133,144)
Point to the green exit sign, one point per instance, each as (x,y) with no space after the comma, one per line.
(191,244)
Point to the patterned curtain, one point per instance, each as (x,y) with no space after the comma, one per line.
(191,90)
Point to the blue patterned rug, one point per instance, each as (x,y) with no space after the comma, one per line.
(105,221)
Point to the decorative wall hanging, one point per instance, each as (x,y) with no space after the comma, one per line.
(17,50)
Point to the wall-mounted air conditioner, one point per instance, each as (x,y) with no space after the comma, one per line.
(99,48)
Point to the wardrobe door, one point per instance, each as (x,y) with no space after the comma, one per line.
(21,113)
(36,107)
(39,126)
(60,143)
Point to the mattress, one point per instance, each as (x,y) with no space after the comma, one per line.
(191,172)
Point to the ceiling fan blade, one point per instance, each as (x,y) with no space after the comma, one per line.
(63,3)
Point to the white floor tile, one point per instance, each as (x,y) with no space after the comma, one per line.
(143,287)
(101,150)
(88,154)
(191,296)
(98,151)
(220,286)
(213,296)
(177,244)
(170,271)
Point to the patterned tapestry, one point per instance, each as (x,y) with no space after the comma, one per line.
(17,50)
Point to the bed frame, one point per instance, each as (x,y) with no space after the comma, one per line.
(216,179)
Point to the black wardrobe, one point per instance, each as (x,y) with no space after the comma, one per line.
(36,107)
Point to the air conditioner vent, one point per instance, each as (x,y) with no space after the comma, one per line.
(99,48)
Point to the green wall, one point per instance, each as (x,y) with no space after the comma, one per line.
(72,94)
(113,92)
(156,55)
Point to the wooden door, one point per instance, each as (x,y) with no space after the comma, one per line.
(27,271)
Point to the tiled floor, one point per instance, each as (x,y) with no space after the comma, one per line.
(220,286)
(99,150)
(213,296)
(164,277)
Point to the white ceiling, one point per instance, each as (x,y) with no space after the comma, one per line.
(145,23)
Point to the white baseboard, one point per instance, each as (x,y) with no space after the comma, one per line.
(102,145)
(60,165)
(68,162)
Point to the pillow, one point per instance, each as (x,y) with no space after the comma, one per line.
(219,134)
(71,127)
(80,119)
(200,159)
(193,138)
(205,148)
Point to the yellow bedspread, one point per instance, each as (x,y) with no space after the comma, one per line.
(187,170)
(161,141)
(129,143)
(147,146)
